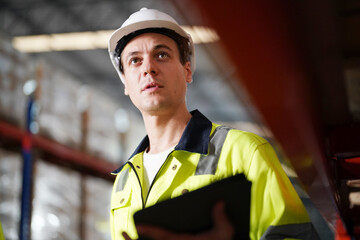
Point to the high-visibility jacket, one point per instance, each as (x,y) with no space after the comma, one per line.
(2,237)
(206,153)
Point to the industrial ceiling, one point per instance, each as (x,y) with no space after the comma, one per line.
(211,91)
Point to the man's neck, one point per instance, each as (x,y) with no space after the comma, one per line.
(165,130)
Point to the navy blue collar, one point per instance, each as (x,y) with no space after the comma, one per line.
(194,139)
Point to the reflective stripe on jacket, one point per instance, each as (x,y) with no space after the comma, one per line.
(206,153)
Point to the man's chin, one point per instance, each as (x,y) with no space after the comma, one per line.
(156,109)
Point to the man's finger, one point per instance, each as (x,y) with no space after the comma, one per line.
(126,236)
(221,222)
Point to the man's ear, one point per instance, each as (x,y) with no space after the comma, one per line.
(188,72)
(124,82)
(125,90)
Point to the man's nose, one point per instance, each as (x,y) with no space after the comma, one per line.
(149,67)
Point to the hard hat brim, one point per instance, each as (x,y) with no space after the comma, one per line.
(121,32)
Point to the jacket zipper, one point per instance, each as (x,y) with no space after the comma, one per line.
(156,176)
(137,176)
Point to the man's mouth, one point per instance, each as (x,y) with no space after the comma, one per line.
(152,86)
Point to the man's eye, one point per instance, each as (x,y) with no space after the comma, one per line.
(134,60)
(163,55)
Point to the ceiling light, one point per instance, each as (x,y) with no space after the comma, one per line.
(201,34)
(91,40)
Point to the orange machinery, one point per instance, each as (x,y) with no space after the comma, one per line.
(292,58)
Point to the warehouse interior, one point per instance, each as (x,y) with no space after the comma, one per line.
(287,71)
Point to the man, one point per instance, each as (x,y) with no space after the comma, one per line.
(155,59)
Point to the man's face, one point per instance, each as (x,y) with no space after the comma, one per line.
(155,79)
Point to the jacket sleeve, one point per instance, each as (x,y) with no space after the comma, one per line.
(2,237)
(277,211)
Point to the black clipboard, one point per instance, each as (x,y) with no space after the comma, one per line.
(192,212)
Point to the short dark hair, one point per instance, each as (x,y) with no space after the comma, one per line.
(182,43)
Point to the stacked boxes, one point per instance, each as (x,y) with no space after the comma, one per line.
(58,203)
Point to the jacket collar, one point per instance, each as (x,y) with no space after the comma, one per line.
(194,139)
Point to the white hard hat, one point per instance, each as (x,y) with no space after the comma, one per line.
(143,19)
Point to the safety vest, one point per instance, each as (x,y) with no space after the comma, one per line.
(206,153)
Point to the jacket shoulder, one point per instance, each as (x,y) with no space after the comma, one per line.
(246,137)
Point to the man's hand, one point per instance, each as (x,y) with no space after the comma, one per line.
(222,230)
